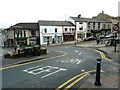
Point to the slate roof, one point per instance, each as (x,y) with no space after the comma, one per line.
(88,19)
(25,26)
(31,26)
(54,23)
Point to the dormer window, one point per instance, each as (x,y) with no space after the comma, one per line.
(80,22)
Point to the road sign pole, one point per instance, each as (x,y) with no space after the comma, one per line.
(115,46)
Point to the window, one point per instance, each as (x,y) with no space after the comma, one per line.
(98,27)
(81,28)
(45,39)
(93,27)
(81,23)
(93,23)
(104,26)
(108,26)
(65,29)
(21,33)
(99,23)
(55,30)
(88,23)
(24,34)
(72,29)
(45,30)
(33,32)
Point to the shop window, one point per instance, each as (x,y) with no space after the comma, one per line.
(44,39)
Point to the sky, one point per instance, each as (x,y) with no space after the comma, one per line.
(17,11)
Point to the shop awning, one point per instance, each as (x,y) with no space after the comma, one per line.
(21,38)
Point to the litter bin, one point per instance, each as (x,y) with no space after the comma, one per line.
(28,51)
(36,50)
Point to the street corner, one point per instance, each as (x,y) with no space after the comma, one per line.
(106,80)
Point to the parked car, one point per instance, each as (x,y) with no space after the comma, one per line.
(101,36)
(108,36)
(90,38)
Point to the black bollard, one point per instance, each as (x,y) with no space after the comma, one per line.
(97,80)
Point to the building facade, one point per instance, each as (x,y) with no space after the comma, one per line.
(114,20)
(55,31)
(87,27)
(23,34)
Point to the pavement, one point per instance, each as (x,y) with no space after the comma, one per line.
(109,79)
(12,61)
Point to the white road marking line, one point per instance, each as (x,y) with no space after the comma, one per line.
(31,68)
(33,71)
(80,53)
(76,51)
(82,70)
(61,69)
(79,62)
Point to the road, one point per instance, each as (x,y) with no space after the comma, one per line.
(66,71)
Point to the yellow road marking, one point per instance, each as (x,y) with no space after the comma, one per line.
(69,86)
(101,54)
(35,61)
(65,83)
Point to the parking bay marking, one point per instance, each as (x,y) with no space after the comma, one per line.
(45,69)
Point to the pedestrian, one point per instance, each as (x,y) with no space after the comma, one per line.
(98,41)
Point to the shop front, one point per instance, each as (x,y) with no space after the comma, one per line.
(81,35)
(68,36)
(21,41)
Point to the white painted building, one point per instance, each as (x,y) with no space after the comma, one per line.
(52,31)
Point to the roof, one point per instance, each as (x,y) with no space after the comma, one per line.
(54,23)
(25,26)
(80,19)
(104,16)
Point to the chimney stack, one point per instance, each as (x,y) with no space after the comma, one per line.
(79,15)
(102,12)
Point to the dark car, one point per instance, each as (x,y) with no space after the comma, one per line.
(102,37)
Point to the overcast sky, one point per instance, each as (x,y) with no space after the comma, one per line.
(16,11)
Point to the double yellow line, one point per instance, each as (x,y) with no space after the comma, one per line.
(80,76)
(65,53)
(103,55)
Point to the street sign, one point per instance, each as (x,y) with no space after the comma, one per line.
(116,27)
